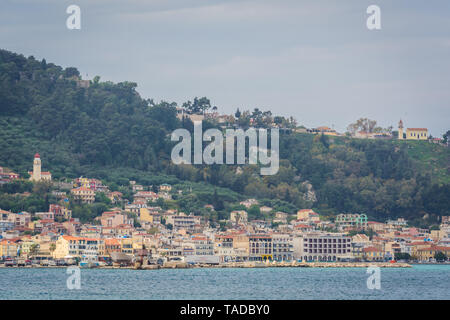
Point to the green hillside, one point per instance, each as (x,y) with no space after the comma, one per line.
(431,158)
(107,131)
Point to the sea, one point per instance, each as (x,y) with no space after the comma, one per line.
(418,282)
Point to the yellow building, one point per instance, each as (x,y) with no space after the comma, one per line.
(416,134)
(165,187)
(146,216)
(76,246)
(427,253)
(412,133)
(373,254)
(83,194)
(25,247)
(126,245)
(324,130)
(8,248)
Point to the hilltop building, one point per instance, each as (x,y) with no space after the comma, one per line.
(37,174)
(412,133)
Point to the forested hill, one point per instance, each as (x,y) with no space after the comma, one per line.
(108,131)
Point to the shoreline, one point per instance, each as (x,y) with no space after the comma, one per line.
(184,265)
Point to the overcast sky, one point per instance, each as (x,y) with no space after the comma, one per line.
(315,60)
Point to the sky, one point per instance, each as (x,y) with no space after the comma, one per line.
(313,59)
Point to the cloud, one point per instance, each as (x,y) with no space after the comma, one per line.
(314,60)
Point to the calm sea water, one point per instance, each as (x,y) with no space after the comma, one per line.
(419,282)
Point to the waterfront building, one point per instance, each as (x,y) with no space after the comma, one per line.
(25,247)
(326,247)
(224,249)
(112,245)
(373,254)
(427,253)
(359,242)
(126,245)
(202,246)
(8,248)
(76,247)
(282,247)
(390,249)
(260,247)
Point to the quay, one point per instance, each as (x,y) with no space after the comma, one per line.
(295,264)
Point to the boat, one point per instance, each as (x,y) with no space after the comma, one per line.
(89,262)
(89,259)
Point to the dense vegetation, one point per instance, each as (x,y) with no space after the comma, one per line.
(108,131)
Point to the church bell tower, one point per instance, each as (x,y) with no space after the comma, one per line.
(400,130)
(37,167)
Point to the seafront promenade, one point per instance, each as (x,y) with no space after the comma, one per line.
(184,265)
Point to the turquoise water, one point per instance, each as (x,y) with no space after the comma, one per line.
(419,282)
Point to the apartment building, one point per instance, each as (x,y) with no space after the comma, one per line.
(282,247)
(75,246)
(344,221)
(182,221)
(326,247)
(260,247)
(83,194)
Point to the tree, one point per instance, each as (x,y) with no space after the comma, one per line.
(365,125)
(34,249)
(102,198)
(445,137)
(440,256)
(217,202)
(254,212)
(402,256)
